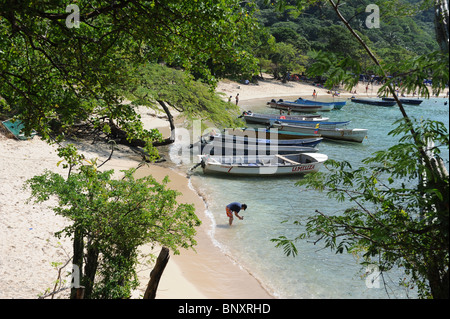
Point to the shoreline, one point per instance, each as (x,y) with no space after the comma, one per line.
(273,89)
(29,247)
(210,274)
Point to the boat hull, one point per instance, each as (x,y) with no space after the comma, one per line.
(255,118)
(262,165)
(262,119)
(337,105)
(296,107)
(404,101)
(350,135)
(313,124)
(373,102)
(272,134)
(237,139)
(218,148)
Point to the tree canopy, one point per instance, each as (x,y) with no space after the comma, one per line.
(54,75)
(406,31)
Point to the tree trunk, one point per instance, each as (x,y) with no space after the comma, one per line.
(78,247)
(171,123)
(438,280)
(79,293)
(90,270)
(156,273)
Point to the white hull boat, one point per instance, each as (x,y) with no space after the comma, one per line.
(351,135)
(265,165)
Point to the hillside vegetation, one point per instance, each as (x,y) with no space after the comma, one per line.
(404,32)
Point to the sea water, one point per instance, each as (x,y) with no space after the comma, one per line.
(275,203)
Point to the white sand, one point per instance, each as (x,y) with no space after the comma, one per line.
(28,245)
(268,88)
(272,89)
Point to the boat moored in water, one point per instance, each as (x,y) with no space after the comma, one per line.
(337,105)
(258,118)
(373,102)
(404,101)
(217,147)
(351,135)
(297,106)
(230,138)
(271,134)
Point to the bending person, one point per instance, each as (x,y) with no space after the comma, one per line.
(235,208)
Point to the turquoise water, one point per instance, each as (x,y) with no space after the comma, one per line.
(315,272)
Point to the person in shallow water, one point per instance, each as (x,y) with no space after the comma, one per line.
(235,208)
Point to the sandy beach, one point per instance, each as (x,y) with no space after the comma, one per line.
(28,245)
(273,89)
(29,251)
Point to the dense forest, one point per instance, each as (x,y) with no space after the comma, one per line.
(404,32)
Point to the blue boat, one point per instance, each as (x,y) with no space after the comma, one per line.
(227,144)
(269,134)
(16,127)
(264,119)
(404,101)
(251,117)
(336,105)
(373,102)
(298,106)
(326,124)
(254,137)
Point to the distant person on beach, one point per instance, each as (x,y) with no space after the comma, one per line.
(237,99)
(235,208)
(314,94)
(229,99)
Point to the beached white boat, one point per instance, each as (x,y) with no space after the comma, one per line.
(351,135)
(265,165)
